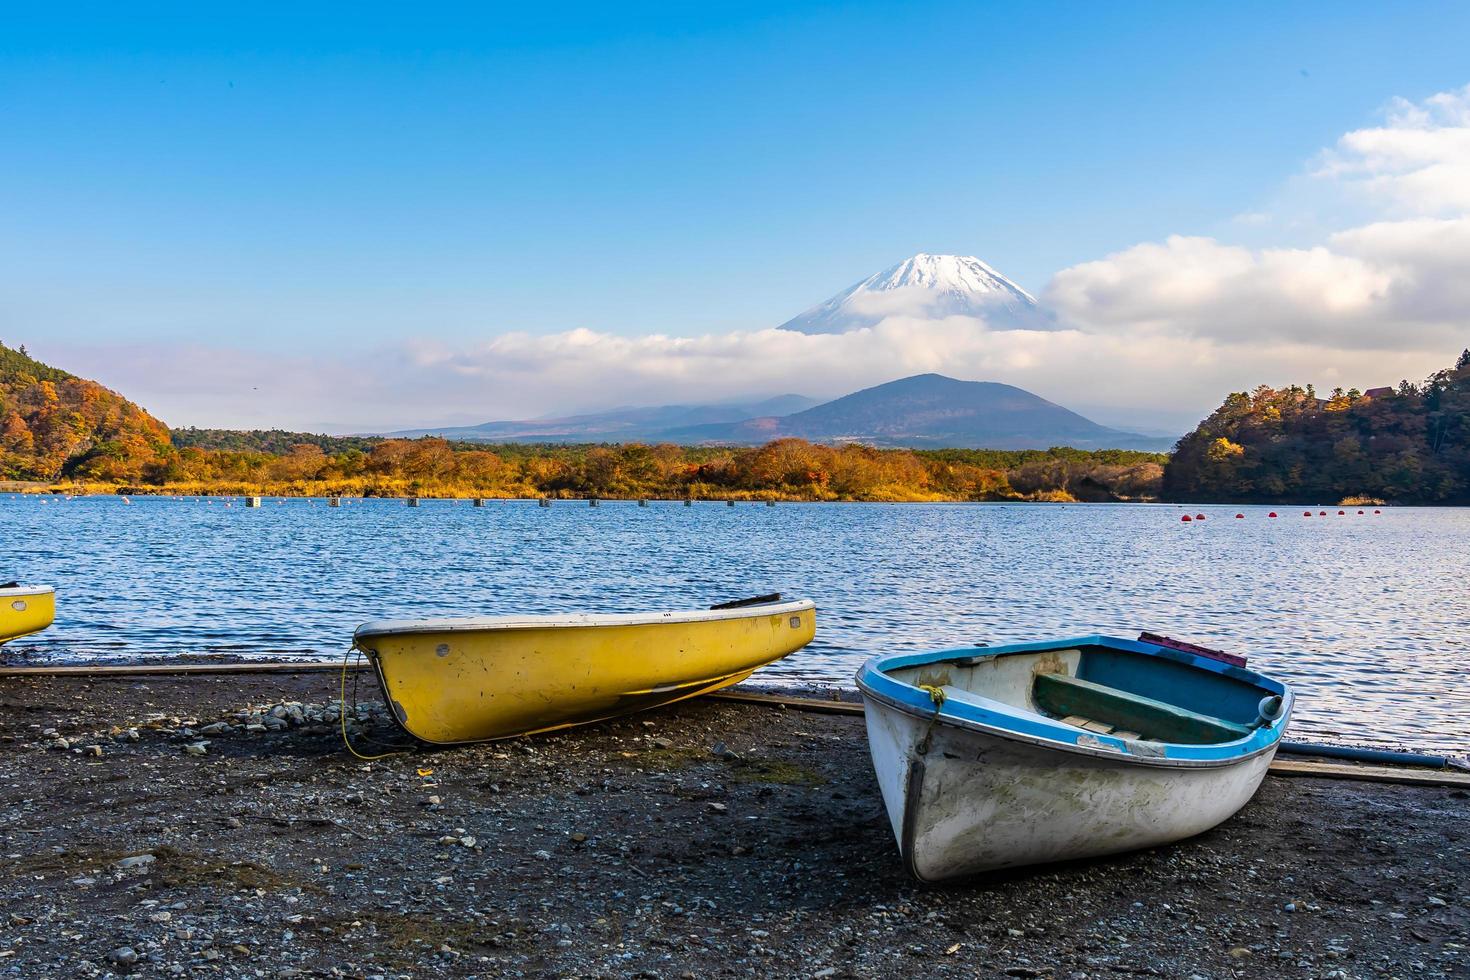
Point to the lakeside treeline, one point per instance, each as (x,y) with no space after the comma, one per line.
(1409,444)
(786,469)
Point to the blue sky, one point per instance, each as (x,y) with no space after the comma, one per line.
(309,180)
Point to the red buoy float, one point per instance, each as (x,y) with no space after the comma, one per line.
(1306,513)
(1199,517)
(1321,513)
(1378,512)
(1240,517)
(1359,512)
(1185,519)
(1342,513)
(1272,514)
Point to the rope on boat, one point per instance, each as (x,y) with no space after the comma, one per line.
(342,712)
(937,695)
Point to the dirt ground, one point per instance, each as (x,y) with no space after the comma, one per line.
(216,826)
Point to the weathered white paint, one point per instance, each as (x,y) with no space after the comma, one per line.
(970,801)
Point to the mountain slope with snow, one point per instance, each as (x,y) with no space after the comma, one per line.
(928,287)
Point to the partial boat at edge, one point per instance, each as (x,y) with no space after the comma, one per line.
(25,609)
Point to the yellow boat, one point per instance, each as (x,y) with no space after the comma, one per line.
(469,680)
(25,609)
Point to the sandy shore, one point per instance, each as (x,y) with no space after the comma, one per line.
(634,848)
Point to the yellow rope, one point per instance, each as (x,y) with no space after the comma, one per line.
(342,716)
(936,694)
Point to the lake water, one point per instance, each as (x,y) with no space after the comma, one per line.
(1368,615)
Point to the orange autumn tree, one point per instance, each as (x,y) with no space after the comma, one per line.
(57,425)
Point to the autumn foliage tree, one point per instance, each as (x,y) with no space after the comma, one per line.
(1410,444)
(55,425)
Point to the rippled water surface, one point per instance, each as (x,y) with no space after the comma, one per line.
(1368,615)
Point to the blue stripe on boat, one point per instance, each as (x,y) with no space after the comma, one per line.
(1182,685)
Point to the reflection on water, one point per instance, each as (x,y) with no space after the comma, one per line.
(1369,616)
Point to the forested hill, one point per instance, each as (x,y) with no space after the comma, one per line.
(1409,444)
(277,442)
(54,425)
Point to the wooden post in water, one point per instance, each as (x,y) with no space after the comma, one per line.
(412,501)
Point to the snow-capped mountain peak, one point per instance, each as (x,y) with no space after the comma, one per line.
(925,287)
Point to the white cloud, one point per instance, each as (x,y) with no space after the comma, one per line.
(1418,161)
(1388,294)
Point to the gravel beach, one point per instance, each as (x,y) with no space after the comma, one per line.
(215,826)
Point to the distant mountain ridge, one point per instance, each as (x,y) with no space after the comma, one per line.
(924,411)
(617,425)
(929,411)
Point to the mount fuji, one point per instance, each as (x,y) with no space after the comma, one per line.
(927,411)
(927,287)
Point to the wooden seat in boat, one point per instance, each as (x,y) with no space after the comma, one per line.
(1108,710)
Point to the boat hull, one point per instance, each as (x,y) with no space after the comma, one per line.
(460,683)
(962,801)
(25,610)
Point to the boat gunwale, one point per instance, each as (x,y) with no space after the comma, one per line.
(393,627)
(875,684)
(24,590)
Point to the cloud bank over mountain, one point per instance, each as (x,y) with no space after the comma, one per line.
(1154,333)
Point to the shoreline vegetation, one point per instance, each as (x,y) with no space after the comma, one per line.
(1405,445)
(790,470)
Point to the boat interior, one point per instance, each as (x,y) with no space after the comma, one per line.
(1104,690)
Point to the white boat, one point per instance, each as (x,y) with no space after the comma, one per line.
(998,757)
